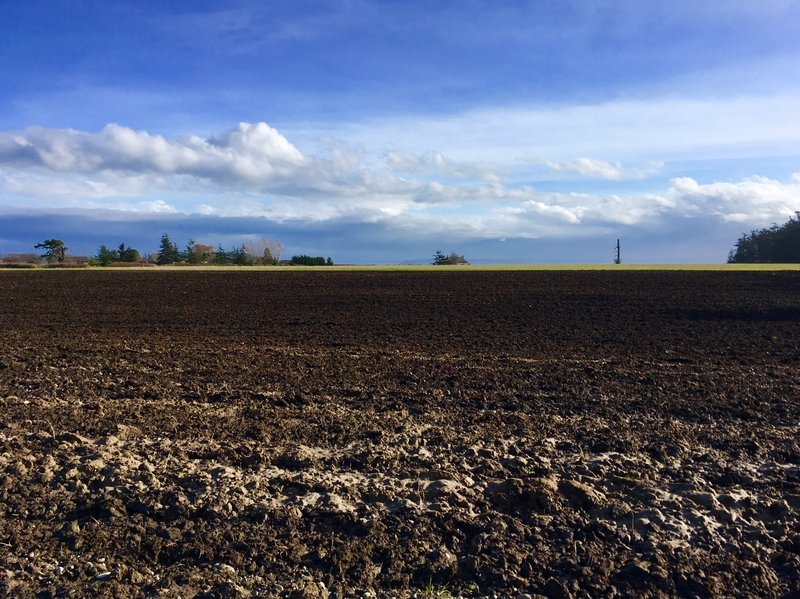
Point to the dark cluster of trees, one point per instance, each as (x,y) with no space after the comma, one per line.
(106,256)
(303,260)
(441,259)
(777,244)
(193,253)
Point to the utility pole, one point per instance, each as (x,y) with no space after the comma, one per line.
(617,259)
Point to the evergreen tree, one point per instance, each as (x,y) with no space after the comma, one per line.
(106,256)
(239,256)
(221,256)
(777,244)
(168,252)
(304,260)
(128,254)
(54,250)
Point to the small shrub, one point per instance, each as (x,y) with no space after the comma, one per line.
(441,259)
(21,257)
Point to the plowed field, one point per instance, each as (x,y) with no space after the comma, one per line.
(367,434)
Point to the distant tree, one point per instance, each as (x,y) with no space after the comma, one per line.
(204,252)
(54,250)
(329,261)
(106,256)
(274,251)
(777,244)
(440,259)
(221,256)
(192,255)
(168,252)
(239,256)
(264,251)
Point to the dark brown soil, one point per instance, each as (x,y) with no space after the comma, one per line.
(334,434)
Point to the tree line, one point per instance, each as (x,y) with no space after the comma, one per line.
(776,244)
(250,253)
(264,252)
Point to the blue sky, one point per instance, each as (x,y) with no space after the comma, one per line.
(380,131)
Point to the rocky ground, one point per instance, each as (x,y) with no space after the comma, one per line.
(183,434)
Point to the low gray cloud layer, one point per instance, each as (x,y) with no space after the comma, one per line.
(352,241)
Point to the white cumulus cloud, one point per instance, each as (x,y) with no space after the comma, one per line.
(755,201)
(253,152)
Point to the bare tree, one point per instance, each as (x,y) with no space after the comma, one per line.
(264,251)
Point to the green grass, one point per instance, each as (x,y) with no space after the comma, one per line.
(431,268)
(561,267)
(432,590)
